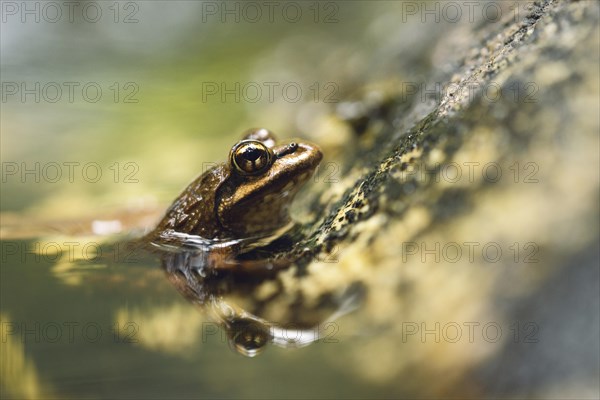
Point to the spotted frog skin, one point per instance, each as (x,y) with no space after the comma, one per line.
(249,195)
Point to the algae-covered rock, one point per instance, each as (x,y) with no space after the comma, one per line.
(470,217)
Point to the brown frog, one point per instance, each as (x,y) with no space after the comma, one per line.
(247,197)
(229,211)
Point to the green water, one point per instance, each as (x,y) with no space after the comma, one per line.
(77,344)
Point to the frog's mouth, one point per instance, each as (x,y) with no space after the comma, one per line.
(259,204)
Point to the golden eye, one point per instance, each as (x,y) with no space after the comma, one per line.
(250,157)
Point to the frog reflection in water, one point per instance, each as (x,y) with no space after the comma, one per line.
(248,197)
(229,211)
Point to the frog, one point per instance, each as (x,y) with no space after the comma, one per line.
(246,199)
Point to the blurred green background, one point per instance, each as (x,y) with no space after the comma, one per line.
(156,68)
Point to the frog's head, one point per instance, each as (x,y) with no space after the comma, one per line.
(263,180)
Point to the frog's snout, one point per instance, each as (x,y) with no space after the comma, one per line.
(310,153)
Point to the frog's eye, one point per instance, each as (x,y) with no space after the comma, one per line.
(251,157)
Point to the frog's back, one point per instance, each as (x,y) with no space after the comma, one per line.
(193,212)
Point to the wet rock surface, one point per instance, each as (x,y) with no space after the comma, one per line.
(469,215)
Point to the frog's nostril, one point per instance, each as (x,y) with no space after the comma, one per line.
(289,149)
